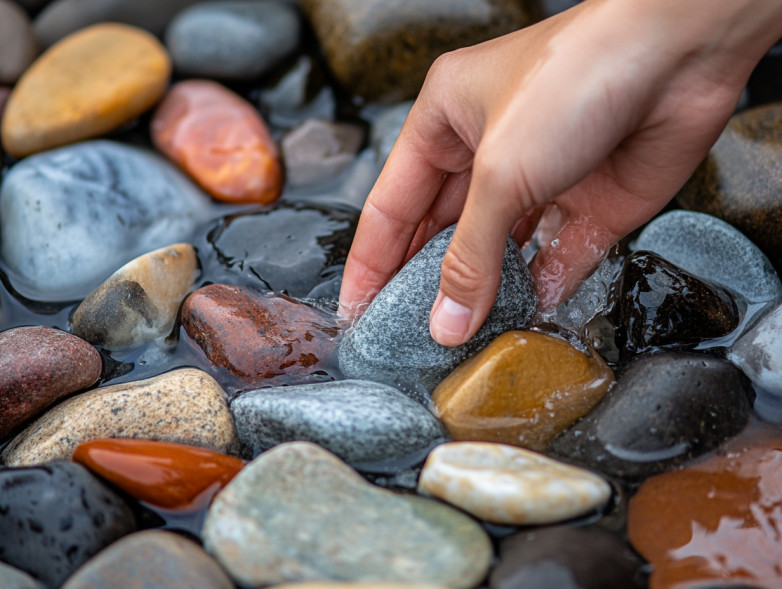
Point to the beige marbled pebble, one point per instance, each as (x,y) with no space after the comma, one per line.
(186,406)
(139,301)
(88,84)
(508,485)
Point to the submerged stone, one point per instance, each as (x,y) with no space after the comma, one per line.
(391,341)
(364,423)
(317,519)
(523,389)
(715,523)
(139,302)
(664,410)
(71,216)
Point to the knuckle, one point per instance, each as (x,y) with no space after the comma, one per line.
(459,276)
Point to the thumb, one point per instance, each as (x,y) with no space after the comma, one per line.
(472,266)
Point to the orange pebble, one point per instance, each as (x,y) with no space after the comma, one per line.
(220,140)
(162,474)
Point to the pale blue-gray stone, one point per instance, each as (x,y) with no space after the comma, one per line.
(367,424)
(386,128)
(11,578)
(391,341)
(232,40)
(758,353)
(298,513)
(714,251)
(71,216)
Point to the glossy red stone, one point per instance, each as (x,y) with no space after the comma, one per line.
(720,520)
(220,140)
(257,337)
(162,474)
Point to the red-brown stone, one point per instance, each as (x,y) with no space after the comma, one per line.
(39,365)
(257,336)
(717,520)
(162,474)
(220,140)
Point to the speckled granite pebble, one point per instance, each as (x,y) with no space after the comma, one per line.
(714,251)
(665,409)
(39,365)
(139,302)
(317,520)
(362,422)
(759,355)
(71,216)
(186,406)
(18,47)
(232,40)
(55,517)
(87,85)
(13,578)
(391,341)
(507,485)
(152,559)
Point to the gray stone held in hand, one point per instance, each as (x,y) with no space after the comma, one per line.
(391,341)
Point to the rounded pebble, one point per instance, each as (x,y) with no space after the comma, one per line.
(18,47)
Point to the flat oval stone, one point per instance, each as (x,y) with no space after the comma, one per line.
(85,86)
(382,49)
(714,522)
(758,353)
(63,17)
(232,40)
(523,389)
(139,302)
(714,251)
(362,422)
(72,216)
(220,140)
(512,486)
(297,248)
(391,341)
(664,410)
(39,365)
(317,519)
(152,559)
(53,518)
(740,182)
(18,47)
(185,406)
(258,337)
(317,150)
(583,557)
(163,474)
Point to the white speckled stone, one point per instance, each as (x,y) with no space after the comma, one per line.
(391,342)
(508,485)
(298,513)
(139,301)
(185,406)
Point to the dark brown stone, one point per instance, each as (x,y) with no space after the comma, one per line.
(18,47)
(260,336)
(39,365)
(741,180)
(382,49)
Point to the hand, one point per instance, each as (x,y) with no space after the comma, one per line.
(604,110)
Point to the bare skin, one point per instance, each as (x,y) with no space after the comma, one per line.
(604,110)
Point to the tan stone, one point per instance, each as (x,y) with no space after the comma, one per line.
(523,389)
(89,83)
(507,485)
(139,301)
(186,406)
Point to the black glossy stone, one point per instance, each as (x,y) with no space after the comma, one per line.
(664,410)
(292,248)
(55,517)
(659,305)
(566,558)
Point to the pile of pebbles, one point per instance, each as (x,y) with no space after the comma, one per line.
(183,407)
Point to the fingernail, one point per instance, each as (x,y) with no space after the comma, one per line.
(449,321)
